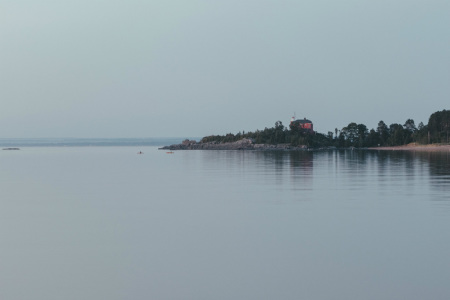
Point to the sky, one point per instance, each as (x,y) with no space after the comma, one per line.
(144,68)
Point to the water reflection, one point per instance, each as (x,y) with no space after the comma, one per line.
(289,225)
(435,166)
(295,167)
(358,173)
(438,164)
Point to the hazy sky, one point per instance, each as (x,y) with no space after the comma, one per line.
(143,68)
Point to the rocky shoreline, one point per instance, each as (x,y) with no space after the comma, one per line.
(248,144)
(244,144)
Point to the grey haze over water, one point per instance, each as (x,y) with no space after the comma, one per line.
(85,142)
(107,223)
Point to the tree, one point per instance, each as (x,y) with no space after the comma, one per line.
(410,126)
(397,135)
(350,133)
(373,138)
(279,126)
(341,140)
(439,126)
(383,131)
(280,135)
(421,134)
(410,129)
(330,136)
(362,134)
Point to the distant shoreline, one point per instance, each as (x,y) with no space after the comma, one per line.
(243,144)
(86,142)
(247,144)
(415,147)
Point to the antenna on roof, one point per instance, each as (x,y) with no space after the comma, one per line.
(293,118)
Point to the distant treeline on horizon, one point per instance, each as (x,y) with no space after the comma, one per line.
(352,135)
(84,142)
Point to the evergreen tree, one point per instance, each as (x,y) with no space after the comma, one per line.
(383,132)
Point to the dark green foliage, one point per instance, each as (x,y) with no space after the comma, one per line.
(357,135)
(363,132)
(439,127)
(421,134)
(410,126)
(383,132)
(350,133)
(373,139)
(397,135)
(275,135)
(353,135)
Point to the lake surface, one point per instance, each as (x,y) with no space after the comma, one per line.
(106,223)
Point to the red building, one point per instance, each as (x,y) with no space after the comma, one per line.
(303,123)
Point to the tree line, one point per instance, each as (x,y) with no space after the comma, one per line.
(352,135)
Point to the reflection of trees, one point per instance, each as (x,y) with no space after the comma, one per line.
(395,162)
(411,162)
(273,164)
(351,169)
(438,167)
(386,174)
(403,171)
(382,172)
(301,168)
(276,159)
(439,163)
(301,162)
(397,171)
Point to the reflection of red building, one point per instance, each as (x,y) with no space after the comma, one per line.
(305,124)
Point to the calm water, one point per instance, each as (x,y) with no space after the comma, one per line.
(106,223)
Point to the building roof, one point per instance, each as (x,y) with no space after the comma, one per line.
(302,121)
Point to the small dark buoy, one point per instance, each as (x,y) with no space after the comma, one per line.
(140,152)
